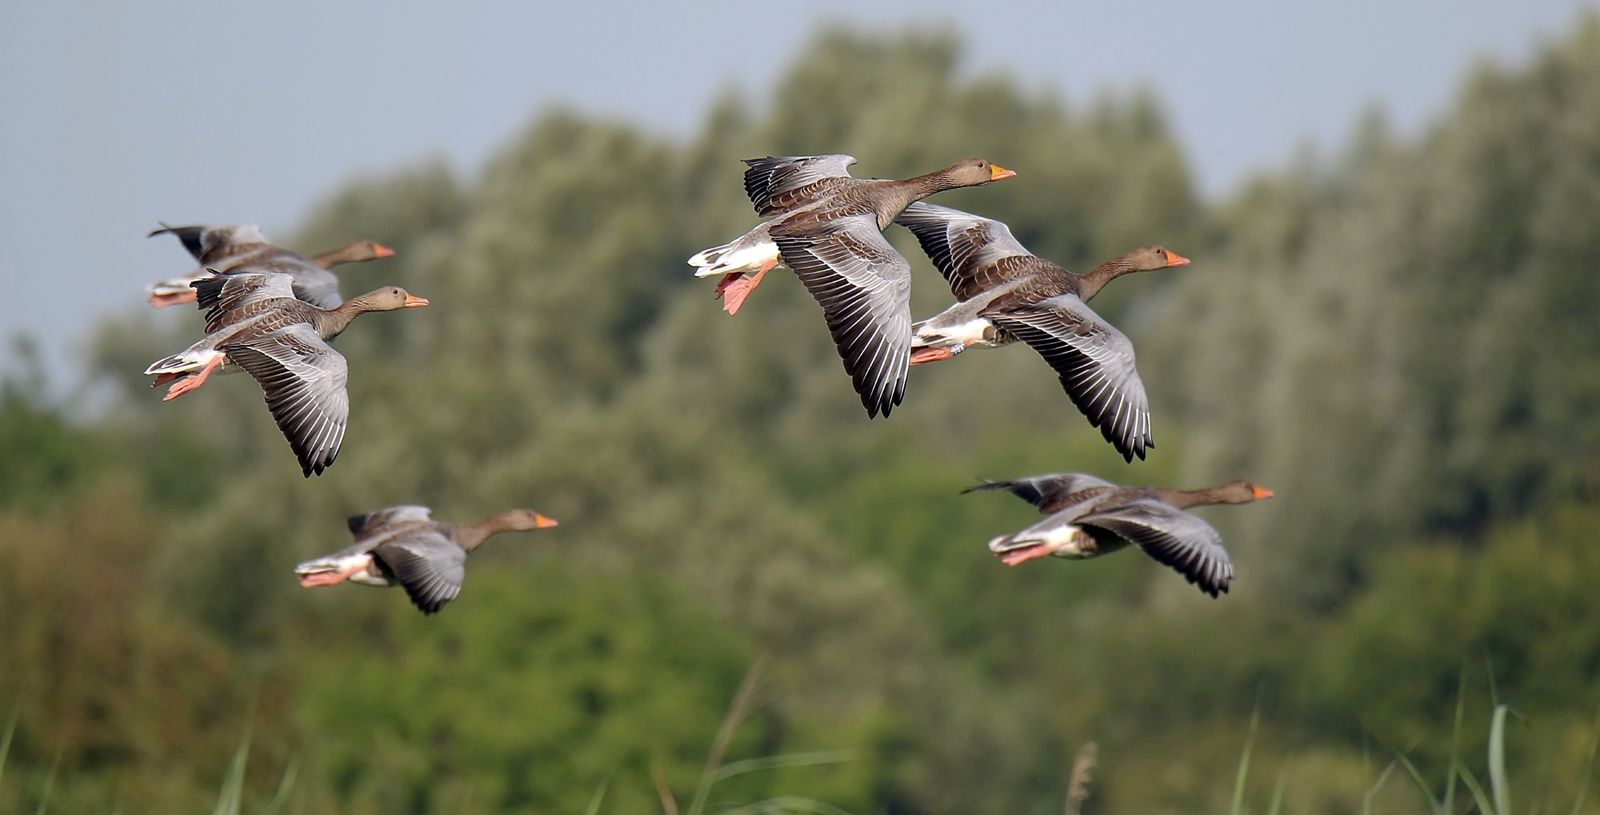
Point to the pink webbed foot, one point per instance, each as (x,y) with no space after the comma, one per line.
(316,579)
(1025,555)
(736,290)
(189,383)
(164,300)
(925,355)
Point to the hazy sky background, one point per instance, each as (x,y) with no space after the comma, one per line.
(116,115)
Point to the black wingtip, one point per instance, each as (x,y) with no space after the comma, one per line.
(986,486)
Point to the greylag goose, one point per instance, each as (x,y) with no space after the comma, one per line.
(256,323)
(1007,293)
(221,249)
(404,546)
(828,227)
(1089,517)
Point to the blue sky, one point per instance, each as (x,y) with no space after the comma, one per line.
(118,115)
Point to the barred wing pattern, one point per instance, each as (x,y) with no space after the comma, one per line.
(1095,363)
(304,381)
(864,288)
(959,243)
(772,182)
(226,293)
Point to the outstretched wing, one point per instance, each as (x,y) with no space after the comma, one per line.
(361,525)
(189,236)
(1174,538)
(1045,491)
(1095,363)
(966,249)
(864,288)
(778,184)
(222,294)
(427,565)
(304,381)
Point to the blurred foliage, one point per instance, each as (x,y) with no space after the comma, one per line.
(1399,342)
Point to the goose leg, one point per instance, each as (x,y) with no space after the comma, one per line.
(330,578)
(737,290)
(187,384)
(164,300)
(1025,555)
(924,355)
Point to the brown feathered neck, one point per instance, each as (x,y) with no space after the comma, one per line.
(352,252)
(1090,284)
(471,536)
(1233,492)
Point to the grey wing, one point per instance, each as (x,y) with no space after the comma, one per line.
(428,565)
(1174,538)
(1044,490)
(1095,363)
(317,286)
(864,288)
(304,381)
(377,519)
(773,176)
(311,283)
(959,243)
(189,236)
(220,294)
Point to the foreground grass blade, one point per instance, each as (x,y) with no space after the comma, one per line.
(1383,778)
(285,787)
(5,741)
(785,803)
(1434,804)
(599,794)
(228,803)
(774,762)
(743,704)
(1583,790)
(1277,794)
(1244,764)
(49,785)
(1484,804)
(1497,761)
(1449,806)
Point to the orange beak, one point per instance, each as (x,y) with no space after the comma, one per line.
(1262,493)
(413,301)
(541,522)
(1175,259)
(996,172)
(381,251)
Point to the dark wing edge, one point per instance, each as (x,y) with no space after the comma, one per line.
(772,176)
(959,243)
(1043,490)
(1095,364)
(189,236)
(864,288)
(428,566)
(378,518)
(304,382)
(1173,538)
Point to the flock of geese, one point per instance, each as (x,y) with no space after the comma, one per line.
(271,313)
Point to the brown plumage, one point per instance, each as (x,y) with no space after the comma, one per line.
(1006,293)
(828,228)
(404,546)
(1089,517)
(255,322)
(241,248)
